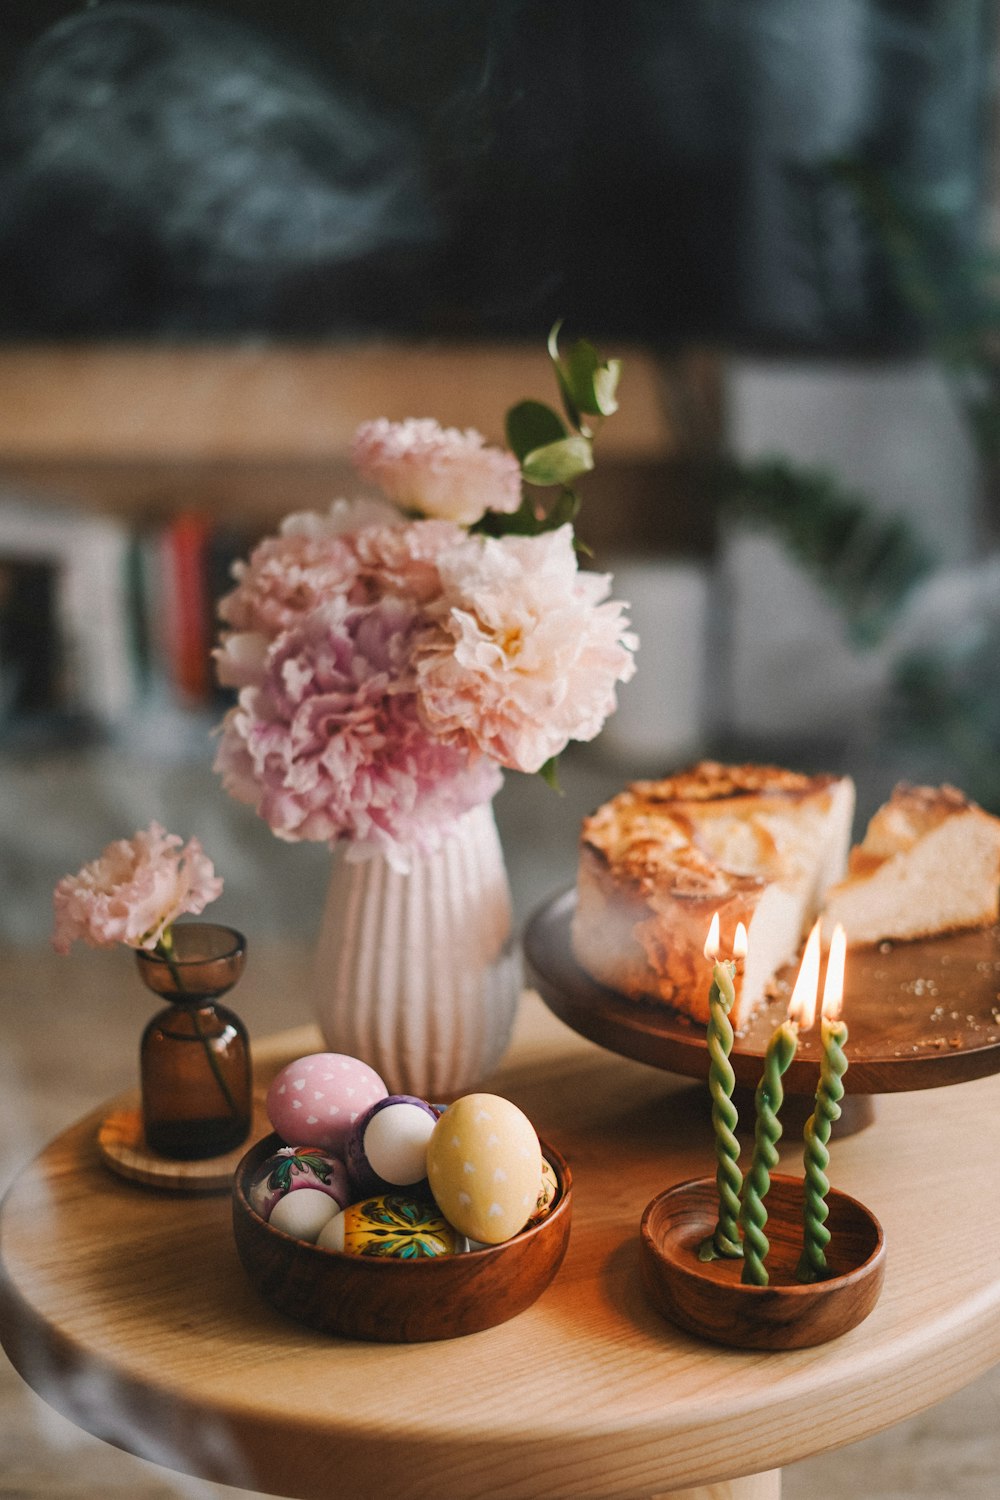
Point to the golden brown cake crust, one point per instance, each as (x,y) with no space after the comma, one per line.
(650,830)
(711,781)
(910,812)
(929,864)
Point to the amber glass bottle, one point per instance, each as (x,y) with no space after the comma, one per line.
(195,1055)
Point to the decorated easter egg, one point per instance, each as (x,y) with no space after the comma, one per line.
(387,1146)
(548,1192)
(304,1213)
(293,1168)
(315,1100)
(484,1165)
(397,1226)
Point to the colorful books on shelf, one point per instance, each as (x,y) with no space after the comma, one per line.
(107,628)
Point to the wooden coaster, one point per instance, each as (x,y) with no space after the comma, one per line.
(123,1148)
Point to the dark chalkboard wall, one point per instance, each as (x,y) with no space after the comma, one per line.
(461,168)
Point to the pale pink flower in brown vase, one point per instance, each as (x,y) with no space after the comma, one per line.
(133,892)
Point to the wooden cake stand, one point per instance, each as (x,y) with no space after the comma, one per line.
(921,1015)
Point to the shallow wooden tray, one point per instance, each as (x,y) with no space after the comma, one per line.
(921,1014)
(396,1301)
(121,1142)
(709,1298)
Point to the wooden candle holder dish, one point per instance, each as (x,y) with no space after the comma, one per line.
(398,1301)
(707,1298)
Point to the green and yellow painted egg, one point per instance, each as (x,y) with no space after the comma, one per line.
(394,1226)
(547,1193)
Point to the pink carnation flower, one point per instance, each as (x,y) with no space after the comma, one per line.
(329,744)
(133,892)
(285,578)
(310,560)
(437,470)
(404,559)
(314,558)
(308,566)
(526,654)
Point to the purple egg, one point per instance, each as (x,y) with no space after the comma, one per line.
(298,1167)
(387,1146)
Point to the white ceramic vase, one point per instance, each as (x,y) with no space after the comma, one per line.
(418,974)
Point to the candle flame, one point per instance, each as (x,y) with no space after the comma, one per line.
(712,941)
(833,990)
(740,943)
(802,1006)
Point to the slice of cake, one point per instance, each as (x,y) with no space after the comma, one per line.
(929,863)
(758,844)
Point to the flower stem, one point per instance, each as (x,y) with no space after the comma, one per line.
(165,948)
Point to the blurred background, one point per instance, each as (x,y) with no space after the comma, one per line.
(232,231)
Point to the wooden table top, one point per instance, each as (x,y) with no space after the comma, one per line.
(127,1310)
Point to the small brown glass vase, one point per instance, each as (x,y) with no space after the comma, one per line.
(194,1058)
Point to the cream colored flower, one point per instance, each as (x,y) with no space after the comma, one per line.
(527,651)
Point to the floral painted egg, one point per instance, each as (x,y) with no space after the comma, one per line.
(547,1193)
(396,1226)
(387,1146)
(484,1165)
(293,1168)
(315,1100)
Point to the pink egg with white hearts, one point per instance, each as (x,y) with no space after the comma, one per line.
(315,1100)
(387,1146)
(293,1168)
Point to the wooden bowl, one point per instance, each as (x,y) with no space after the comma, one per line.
(397,1301)
(708,1298)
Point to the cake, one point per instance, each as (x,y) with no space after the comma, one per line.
(929,863)
(758,844)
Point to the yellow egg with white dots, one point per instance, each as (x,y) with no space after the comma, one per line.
(484,1165)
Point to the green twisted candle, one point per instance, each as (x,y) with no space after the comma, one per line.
(812,1263)
(770,1093)
(725,1239)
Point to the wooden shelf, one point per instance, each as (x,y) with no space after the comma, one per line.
(279,402)
(257,429)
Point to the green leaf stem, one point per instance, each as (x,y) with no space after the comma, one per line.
(558,463)
(530,425)
(550,773)
(587,383)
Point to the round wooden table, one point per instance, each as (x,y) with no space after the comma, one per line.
(127,1310)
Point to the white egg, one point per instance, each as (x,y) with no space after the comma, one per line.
(331,1236)
(395,1142)
(303,1213)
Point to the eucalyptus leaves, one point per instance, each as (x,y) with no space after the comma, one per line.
(553,449)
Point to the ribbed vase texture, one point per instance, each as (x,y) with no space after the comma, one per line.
(417,974)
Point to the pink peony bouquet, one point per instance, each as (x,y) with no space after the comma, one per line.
(134,892)
(393,656)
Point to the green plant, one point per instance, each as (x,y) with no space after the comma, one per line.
(865,562)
